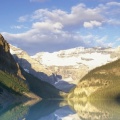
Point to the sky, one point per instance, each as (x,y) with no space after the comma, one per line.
(52,25)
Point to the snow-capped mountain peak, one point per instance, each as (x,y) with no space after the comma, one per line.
(91,57)
(65,66)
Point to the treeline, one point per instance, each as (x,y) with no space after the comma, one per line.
(13,83)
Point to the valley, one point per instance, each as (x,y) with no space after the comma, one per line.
(17,85)
(66,67)
(88,84)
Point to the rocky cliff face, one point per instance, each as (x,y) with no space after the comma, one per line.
(7,62)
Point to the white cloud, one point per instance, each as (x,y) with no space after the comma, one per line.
(47,26)
(23,18)
(55,29)
(34,40)
(77,16)
(113,22)
(92,24)
(113,4)
(118,39)
(18,27)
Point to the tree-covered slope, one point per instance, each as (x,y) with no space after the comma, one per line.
(11,78)
(12,83)
(41,88)
(100,83)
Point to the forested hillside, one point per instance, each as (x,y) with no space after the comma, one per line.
(100,83)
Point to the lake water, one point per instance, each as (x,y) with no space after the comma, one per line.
(62,110)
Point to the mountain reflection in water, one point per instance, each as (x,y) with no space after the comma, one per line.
(63,110)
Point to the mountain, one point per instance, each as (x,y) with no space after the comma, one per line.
(14,80)
(34,67)
(42,88)
(7,62)
(65,68)
(10,72)
(101,83)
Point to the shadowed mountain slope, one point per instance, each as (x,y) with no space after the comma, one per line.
(14,78)
(10,73)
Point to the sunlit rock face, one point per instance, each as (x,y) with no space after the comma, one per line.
(7,63)
(28,64)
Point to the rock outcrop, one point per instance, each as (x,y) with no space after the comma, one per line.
(7,62)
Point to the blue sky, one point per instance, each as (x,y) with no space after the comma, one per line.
(52,25)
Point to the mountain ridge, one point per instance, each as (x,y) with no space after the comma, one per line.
(65,66)
(7,63)
(14,79)
(100,83)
